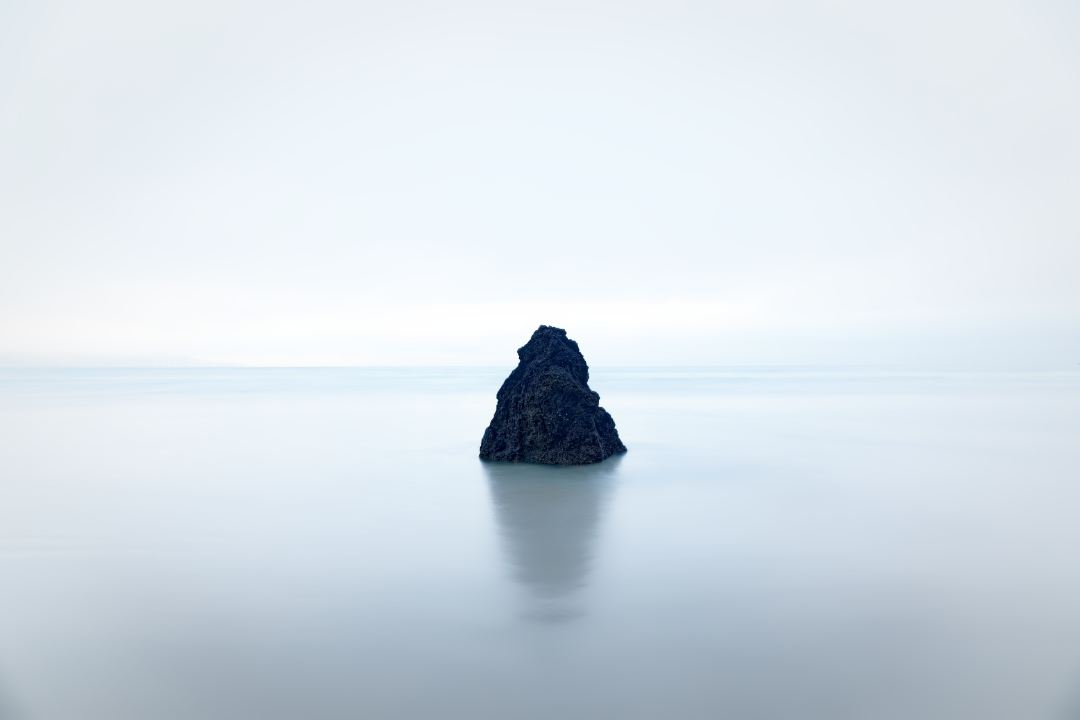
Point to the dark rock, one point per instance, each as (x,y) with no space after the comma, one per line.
(546,412)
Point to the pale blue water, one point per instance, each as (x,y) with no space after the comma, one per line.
(324,543)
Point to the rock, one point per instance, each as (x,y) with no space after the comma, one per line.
(546,412)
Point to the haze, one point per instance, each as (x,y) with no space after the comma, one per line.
(420,183)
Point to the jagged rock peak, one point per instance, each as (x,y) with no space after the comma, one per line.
(546,412)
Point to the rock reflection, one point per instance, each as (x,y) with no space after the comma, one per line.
(549,518)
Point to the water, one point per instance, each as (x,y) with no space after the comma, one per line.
(324,543)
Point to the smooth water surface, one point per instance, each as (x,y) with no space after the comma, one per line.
(324,543)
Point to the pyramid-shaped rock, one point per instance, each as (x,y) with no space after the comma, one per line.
(546,412)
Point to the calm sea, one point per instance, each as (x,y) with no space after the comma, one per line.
(778,543)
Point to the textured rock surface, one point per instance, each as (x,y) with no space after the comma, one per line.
(546,412)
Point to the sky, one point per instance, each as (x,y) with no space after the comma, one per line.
(423,183)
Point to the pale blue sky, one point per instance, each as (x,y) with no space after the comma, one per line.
(425,182)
